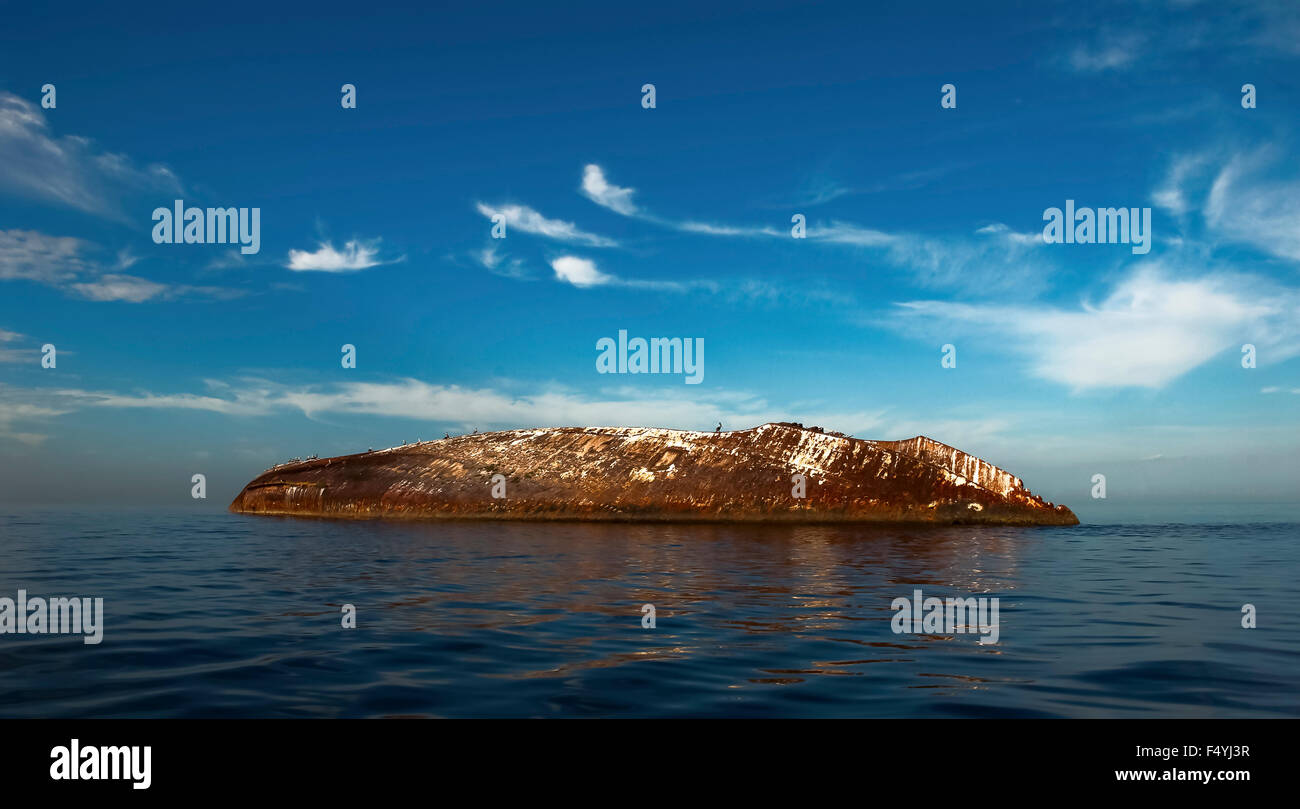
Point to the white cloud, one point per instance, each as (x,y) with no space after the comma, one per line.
(228,260)
(481,407)
(1002,231)
(834,233)
(708,229)
(521,217)
(846,233)
(1110,52)
(1172,194)
(250,402)
(1036,444)
(580,272)
(13,354)
(583,273)
(1249,203)
(598,189)
(127,288)
(1165,35)
(601,192)
(19,406)
(355,255)
(498,264)
(58,261)
(1032,443)
(126,259)
(1150,330)
(820,190)
(983,267)
(70,170)
(489,258)
(1008,264)
(31,256)
(980,267)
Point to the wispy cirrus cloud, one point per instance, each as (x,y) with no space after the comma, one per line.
(28,255)
(821,190)
(23,411)
(980,265)
(521,217)
(1250,202)
(603,193)
(583,274)
(1014,439)
(616,198)
(256,398)
(408,398)
(854,235)
(114,287)
(69,171)
(1244,196)
(228,260)
(356,255)
(711,229)
(997,261)
(498,263)
(998,230)
(1109,51)
(8,354)
(1172,195)
(1153,327)
(600,190)
(510,405)
(1158,33)
(63,262)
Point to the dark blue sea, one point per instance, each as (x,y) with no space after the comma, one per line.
(221,615)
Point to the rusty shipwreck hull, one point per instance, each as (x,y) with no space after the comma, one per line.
(645,474)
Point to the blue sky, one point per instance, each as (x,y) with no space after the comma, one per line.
(923,229)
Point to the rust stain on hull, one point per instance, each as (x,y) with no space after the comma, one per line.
(647,474)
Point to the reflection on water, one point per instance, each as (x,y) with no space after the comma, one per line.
(235,615)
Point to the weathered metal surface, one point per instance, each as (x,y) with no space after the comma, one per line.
(633,473)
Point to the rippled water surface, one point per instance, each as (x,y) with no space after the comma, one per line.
(226,615)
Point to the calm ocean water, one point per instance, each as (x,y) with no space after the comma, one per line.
(225,615)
